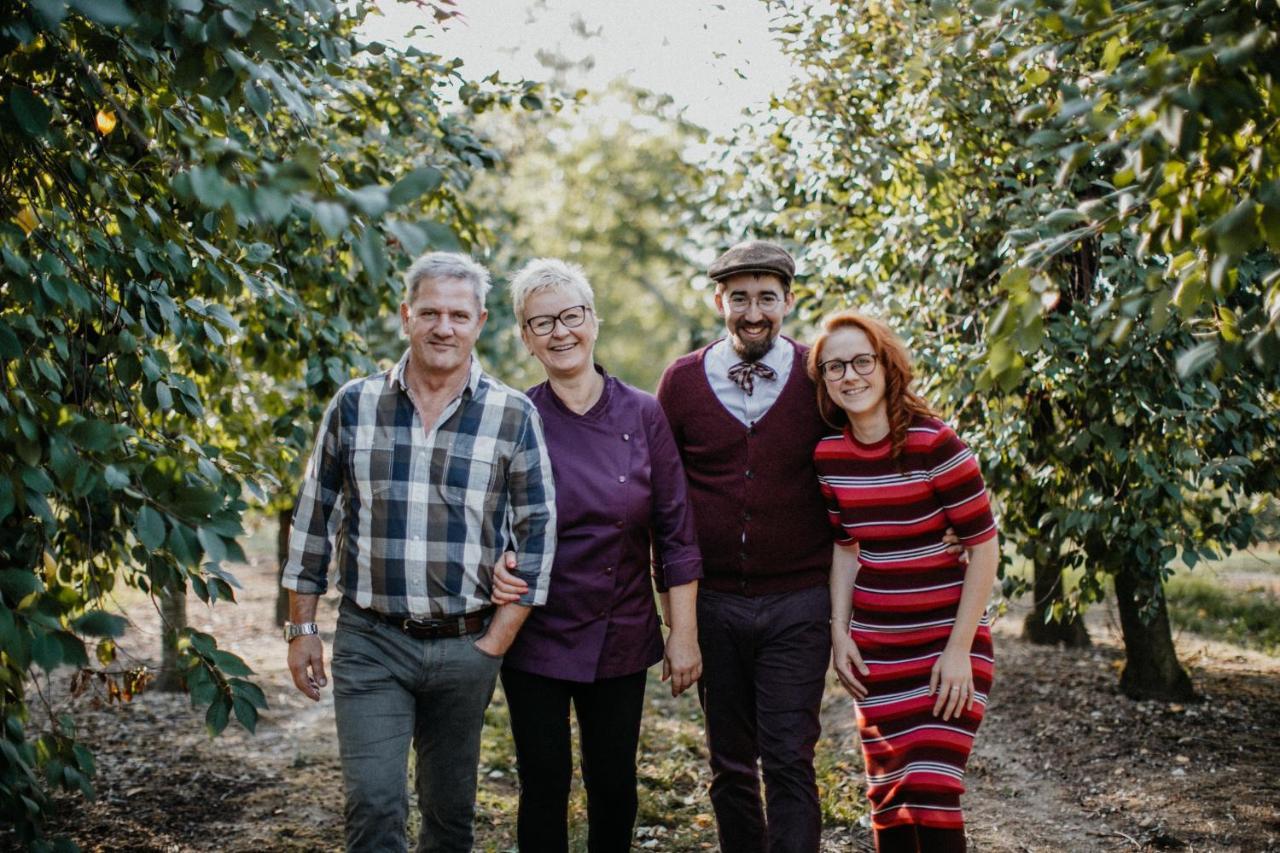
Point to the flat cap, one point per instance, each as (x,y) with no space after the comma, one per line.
(754,256)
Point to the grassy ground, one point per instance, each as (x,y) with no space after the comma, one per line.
(1235,600)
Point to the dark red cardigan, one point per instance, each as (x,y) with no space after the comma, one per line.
(761,520)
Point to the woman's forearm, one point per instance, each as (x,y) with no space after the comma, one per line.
(844,570)
(978,578)
(681,608)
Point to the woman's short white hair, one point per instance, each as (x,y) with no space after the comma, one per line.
(446,265)
(549,274)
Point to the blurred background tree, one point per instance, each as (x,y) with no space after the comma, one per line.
(609,183)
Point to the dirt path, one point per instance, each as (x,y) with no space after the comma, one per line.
(1063,763)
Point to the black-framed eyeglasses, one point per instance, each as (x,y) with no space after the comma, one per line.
(834,369)
(545,324)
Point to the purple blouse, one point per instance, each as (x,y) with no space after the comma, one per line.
(620,487)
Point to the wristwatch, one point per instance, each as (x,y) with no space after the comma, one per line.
(300,629)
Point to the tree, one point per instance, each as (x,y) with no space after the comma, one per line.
(202,206)
(1174,106)
(608,184)
(906,163)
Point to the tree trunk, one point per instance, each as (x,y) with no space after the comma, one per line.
(284,517)
(1047,590)
(173,612)
(1151,668)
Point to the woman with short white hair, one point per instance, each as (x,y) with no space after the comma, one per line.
(620,489)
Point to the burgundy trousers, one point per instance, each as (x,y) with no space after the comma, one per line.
(764,665)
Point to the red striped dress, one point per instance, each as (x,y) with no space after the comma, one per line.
(905,598)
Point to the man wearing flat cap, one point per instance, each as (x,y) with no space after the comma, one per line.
(744,414)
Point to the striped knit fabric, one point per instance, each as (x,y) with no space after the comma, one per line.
(904,606)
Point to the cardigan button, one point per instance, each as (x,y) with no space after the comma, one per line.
(750,476)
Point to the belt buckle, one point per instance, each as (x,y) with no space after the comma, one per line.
(420,629)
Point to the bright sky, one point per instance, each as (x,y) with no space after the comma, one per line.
(713,58)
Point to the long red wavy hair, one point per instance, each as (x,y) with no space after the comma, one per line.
(901,403)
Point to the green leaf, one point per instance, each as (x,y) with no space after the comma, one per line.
(17,584)
(331,217)
(1192,361)
(214,549)
(111,13)
(369,249)
(99,623)
(37,480)
(148,526)
(10,347)
(92,435)
(46,650)
(229,663)
(1237,231)
(30,111)
(216,718)
(116,478)
(412,238)
(245,713)
(420,181)
(50,12)
(209,186)
(371,200)
(250,691)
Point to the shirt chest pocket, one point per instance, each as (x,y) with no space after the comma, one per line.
(370,471)
(472,477)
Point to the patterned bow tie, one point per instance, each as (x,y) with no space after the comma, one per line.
(744,374)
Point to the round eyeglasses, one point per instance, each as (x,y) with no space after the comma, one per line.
(834,369)
(740,303)
(544,324)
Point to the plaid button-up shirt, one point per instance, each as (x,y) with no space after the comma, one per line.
(418,518)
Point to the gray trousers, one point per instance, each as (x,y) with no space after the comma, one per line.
(391,690)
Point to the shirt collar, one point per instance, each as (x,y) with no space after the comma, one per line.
(778,357)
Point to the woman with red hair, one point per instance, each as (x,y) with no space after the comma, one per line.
(910,635)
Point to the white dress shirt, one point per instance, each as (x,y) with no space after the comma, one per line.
(748,408)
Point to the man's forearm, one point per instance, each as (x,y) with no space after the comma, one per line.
(504,627)
(302,607)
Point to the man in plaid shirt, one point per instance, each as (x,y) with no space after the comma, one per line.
(421,476)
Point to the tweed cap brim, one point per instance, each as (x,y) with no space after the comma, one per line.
(754,256)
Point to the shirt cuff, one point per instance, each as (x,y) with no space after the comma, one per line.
(682,571)
(303,586)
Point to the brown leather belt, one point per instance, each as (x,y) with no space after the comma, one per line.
(433,629)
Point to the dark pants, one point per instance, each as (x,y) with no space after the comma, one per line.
(609,727)
(390,690)
(764,666)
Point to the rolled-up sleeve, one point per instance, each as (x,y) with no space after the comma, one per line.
(676,557)
(318,511)
(532,497)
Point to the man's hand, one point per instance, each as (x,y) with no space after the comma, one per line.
(306,663)
(952,541)
(846,658)
(507,588)
(682,661)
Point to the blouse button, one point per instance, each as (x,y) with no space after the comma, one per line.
(608,570)
(622,479)
(626,436)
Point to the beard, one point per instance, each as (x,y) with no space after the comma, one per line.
(753,350)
